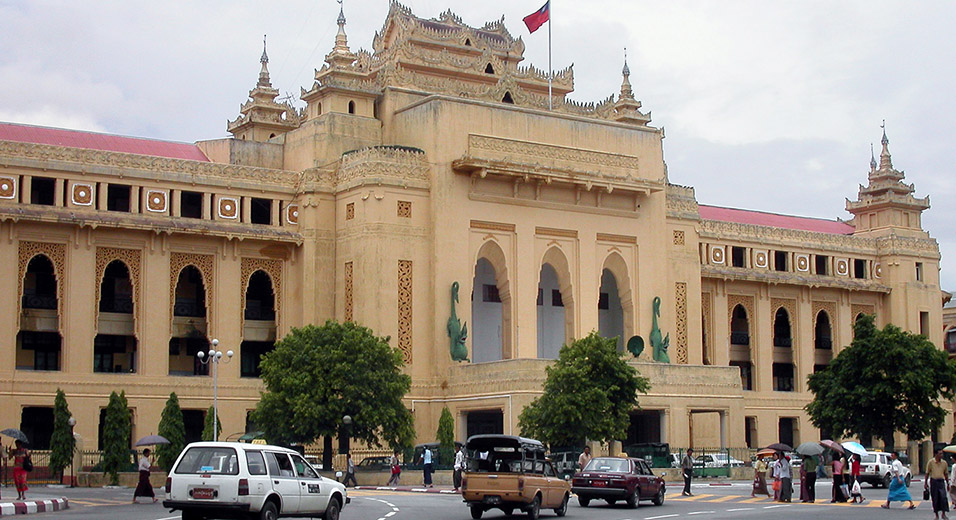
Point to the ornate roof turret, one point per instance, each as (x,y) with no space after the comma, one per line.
(341,55)
(886,201)
(262,118)
(627,109)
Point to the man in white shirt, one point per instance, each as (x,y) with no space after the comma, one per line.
(459,466)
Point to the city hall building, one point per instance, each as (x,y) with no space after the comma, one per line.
(435,159)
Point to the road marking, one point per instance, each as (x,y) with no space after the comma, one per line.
(656,517)
(693,497)
(723,499)
(740,509)
(772,507)
(701,513)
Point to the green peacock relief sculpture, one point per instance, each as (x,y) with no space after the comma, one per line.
(659,346)
(457,331)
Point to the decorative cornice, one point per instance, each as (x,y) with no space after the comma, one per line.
(767,235)
(190,171)
(788,278)
(402,166)
(682,202)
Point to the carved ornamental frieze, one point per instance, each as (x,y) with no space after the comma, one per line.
(395,166)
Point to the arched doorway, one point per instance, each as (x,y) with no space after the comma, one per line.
(822,341)
(782,368)
(189,324)
(740,346)
(114,347)
(259,325)
(487,316)
(38,340)
(610,310)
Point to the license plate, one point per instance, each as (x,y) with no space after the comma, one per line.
(599,483)
(202,493)
(493,499)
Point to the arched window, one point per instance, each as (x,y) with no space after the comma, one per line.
(259,330)
(38,340)
(486,314)
(739,327)
(190,294)
(823,338)
(39,284)
(781,329)
(489,69)
(508,99)
(351,107)
(114,347)
(551,318)
(610,310)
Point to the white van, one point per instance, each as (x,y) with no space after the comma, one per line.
(238,480)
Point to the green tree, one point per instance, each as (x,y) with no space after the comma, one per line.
(885,381)
(446,437)
(207,434)
(116,437)
(171,427)
(62,443)
(589,393)
(318,374)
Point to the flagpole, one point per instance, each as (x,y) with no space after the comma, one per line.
(550,70)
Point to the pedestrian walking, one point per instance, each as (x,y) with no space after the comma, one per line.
(898,491)
(687,469)
(458,467)
(760,478)
(775,473)
(952,483)
(584,458)
(22,465)
(809,468)
(786,478)
(803,484)
(937,481)
(349,471)
(396,470)
(144,488)
(427,468)
(838,495)
(856,491)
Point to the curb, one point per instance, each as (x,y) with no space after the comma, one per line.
(409,489)
(34,506)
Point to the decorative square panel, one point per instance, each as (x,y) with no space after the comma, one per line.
(678,237)
(761,259)
(842,267)
(82,194)
(877,270)
(404,209)
(157,201)
(292,213)
(802,262)
(717,254)
(8,188)
(228,208)
(350,211)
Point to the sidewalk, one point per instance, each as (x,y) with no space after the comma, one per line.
(40,504)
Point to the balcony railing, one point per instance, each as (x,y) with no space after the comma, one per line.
(823,342)
(260,314)
(117,305)
(739,338)
(39,301)
(190,307)
(780,341)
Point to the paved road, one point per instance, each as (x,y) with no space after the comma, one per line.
(710,502)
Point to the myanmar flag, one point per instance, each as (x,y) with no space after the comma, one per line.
(536,19)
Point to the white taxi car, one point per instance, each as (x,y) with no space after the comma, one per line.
(238,480)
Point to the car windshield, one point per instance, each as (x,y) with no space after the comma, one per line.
(609,465)
(210,460)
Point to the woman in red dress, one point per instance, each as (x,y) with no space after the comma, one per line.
(19,474)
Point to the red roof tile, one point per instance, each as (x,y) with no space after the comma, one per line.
(95,141)
(759,218)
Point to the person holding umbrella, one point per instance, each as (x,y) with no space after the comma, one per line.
(144,488)
(22,466)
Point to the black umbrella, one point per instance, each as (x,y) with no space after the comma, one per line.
(16,434)
(779,446)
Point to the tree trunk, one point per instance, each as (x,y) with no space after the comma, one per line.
(889,441)
(327,453)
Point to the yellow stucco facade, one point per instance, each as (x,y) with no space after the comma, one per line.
(436,159)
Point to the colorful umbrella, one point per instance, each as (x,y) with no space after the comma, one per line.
(832,445)
(854,447)
(769,453)
(950,449)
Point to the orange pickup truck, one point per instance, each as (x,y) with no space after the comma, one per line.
(508,473)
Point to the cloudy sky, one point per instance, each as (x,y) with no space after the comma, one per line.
(766,105)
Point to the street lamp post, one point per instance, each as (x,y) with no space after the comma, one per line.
(346,434)
(72,423)
(215,357)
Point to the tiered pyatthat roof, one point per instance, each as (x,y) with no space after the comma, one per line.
(445,56)
(261,115)
(886,191)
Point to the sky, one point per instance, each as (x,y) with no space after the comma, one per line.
(769,106)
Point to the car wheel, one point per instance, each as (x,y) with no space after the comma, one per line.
(659,498)
(535,510)
(269,511)
(909,478)
(610,501)
(508,511)
(886,480)
(476,512)
(583,501)
(634,499)
(332,512)
(563,510)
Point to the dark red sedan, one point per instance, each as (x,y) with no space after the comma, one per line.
(618,478)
